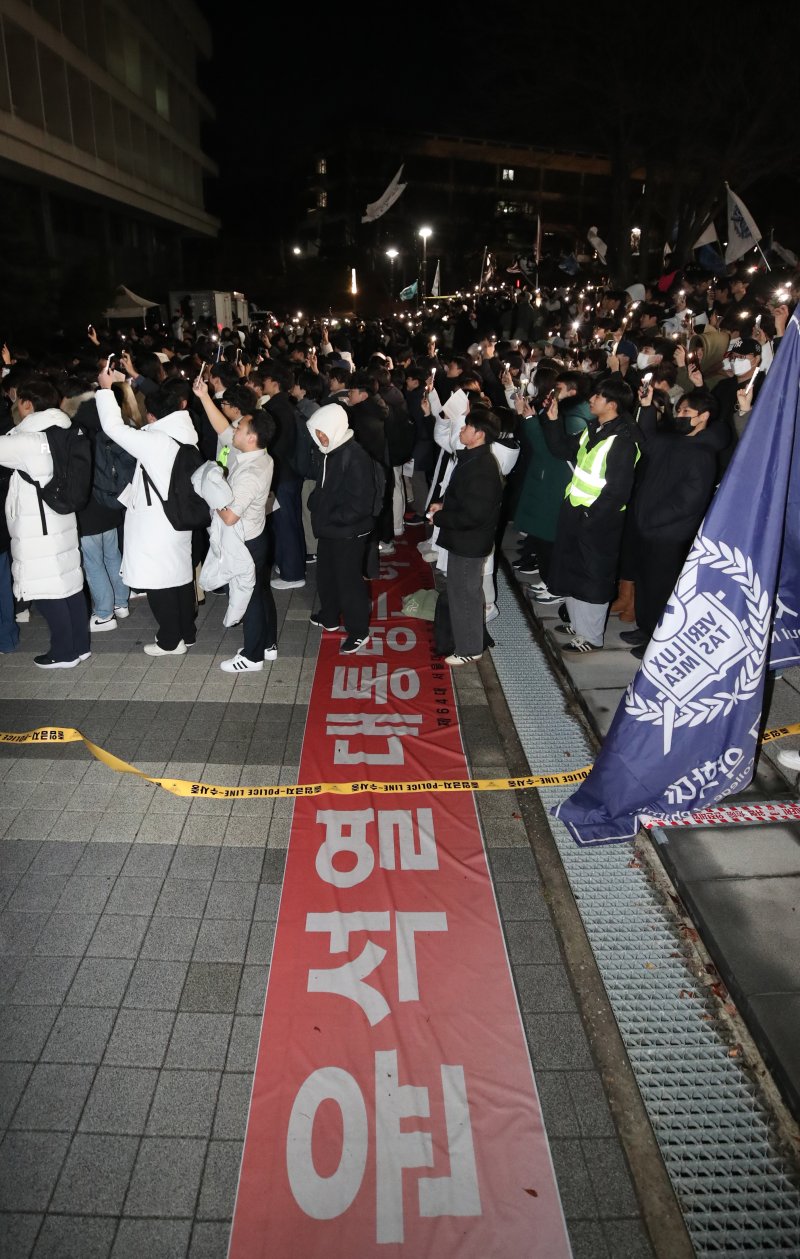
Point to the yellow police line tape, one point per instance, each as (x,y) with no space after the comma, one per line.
(182,787)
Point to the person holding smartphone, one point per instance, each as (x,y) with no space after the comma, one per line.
(592,514)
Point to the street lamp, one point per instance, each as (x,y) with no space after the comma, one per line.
(296,250)
(391,254)
(425,232)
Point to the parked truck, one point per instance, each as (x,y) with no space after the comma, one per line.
(210,305)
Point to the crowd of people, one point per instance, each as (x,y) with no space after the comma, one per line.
(168,462)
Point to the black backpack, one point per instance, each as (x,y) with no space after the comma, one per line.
(113,470)
(70,486)
(183,506)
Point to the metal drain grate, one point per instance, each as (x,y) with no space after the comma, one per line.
(738,1194)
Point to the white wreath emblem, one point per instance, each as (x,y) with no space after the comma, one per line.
(733,563)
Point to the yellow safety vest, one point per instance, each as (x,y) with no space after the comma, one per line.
(589,477)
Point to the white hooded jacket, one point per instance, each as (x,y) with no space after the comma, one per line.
(155,556)
(43,566)
(228,560)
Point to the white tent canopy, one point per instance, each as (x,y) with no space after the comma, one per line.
(127,305)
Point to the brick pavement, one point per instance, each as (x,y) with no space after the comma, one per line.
(135,939)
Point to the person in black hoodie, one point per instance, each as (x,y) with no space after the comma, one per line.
(9,630)
(99,524)
(467,518)
(287,524)
(342,510)
(672,496)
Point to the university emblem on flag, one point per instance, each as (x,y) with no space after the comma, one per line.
(702,641)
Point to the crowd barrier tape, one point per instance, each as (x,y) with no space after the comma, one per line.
(48,735)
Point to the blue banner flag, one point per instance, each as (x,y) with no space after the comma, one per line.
(686,731)
(410,291)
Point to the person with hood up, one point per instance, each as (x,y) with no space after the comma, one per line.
(157,558)
(350,484)
(45,562)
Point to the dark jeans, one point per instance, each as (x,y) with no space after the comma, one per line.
(173,608)
(658,567)
(68,620)
(543,550)
(260,621)
(290,540)
(9,630)
(465,597)
(341,586)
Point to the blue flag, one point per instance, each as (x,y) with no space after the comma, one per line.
(410,291)
(686,731)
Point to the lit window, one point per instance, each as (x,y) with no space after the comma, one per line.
(508,174)
(322,166)
(322,199)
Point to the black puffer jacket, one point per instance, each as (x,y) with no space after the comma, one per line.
(471,506)
(341,506)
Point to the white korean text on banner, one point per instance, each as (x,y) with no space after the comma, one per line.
(394,1110)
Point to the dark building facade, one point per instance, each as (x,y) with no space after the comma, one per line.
(472,193)
(101,163)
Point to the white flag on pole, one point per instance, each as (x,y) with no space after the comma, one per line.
(707,237)
(435,287)
(743,232)
(385,202)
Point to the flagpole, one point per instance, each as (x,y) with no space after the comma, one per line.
(764,256)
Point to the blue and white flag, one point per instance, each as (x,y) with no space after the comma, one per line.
(686,731)
(409,291)
(743,231)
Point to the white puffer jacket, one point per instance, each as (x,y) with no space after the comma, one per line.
(155,556)
(43,566)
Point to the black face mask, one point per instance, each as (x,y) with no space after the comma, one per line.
(682,425)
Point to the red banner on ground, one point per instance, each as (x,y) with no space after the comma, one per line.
(394,1110)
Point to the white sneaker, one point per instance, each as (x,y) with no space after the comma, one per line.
(386,548)
(153,649)
(271,653)
(491,614)
(23,616)
(121,613)
(138,594)
(240,664)
(456,660)
(429,556)
(789,760)
(98,626)
(278,583)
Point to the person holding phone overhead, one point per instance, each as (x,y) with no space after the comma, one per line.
(589,531)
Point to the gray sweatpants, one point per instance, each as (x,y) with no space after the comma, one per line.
(588,619)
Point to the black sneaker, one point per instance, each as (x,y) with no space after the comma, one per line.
(47,662)
(352,644)
(634,637)
(563,613)
(311,559)
(316,619)
(526,567)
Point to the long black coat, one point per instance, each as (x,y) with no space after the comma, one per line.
(677,480)
(587,544)
(471,505)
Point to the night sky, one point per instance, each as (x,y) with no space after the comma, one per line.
(671,84)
